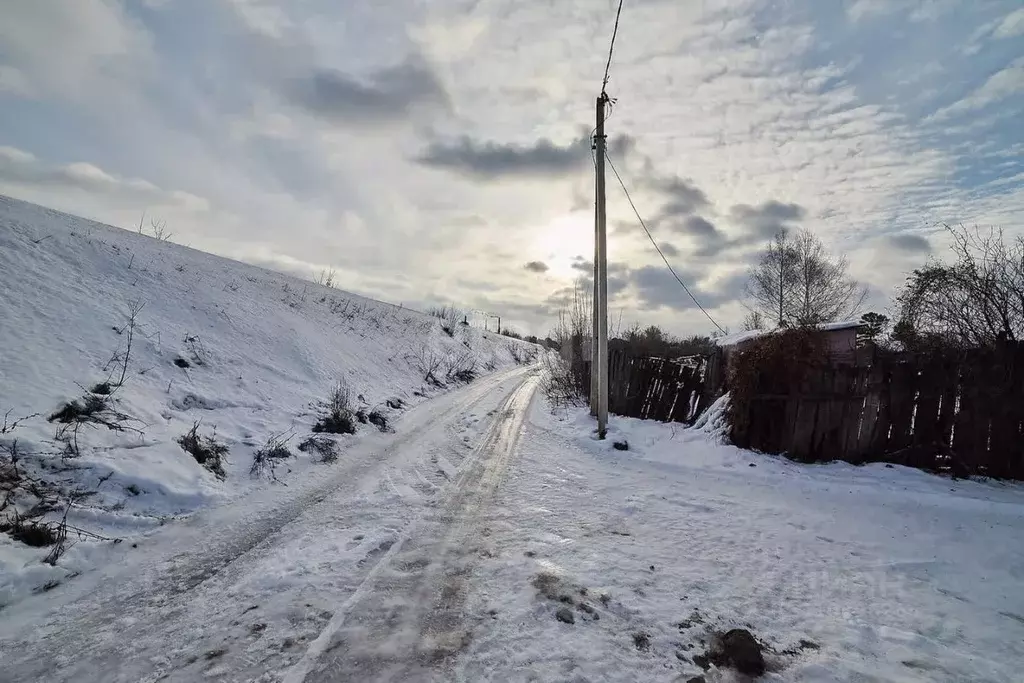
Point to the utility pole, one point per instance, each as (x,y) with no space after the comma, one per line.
(594,385)
(601,277)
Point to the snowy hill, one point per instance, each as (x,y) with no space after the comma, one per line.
(244,352)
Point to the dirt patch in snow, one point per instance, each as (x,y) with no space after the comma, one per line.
(737,649)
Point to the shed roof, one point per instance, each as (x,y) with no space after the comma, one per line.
(740,337)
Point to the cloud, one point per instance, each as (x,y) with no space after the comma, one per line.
(537,267)
(99,44)
(669,250)
(916,10)
(384,96)
(582,265)
(486,160)
(1003,83)
(656,287)
(911,243)
(766,219)
(700,227)
(21,169)
(1011,26)
(681,196)
(706,239)
(865,9)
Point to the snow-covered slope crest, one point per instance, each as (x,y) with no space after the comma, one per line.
(245,352)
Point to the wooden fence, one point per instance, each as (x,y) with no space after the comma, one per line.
(668,390)
(962,414)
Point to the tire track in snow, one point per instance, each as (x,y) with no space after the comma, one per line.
(405,619)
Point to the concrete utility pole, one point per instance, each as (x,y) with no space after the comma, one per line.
(601,277)
(594,386)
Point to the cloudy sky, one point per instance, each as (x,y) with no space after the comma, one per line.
(436,150)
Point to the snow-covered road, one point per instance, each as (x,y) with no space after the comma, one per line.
(267,588)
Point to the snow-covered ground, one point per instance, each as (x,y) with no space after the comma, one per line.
(848,573)
(488,538)
(261,350)
(264,587)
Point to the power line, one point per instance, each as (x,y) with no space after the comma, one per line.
(611,48)
(655,243)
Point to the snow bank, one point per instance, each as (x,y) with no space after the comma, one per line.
(244,351)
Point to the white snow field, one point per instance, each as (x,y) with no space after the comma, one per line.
(488,538)
(262,349)
(848,573)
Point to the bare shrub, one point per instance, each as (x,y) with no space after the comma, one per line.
(460,367)
(326,278)
(266,459)
(566,384)
(91,410)
(206,450)
(33,533)
(160,230)
(322,446)
(10,425)
(516,351)
(337,416)
(574,319)
(429,363)
(195,347)
(121,360)
(509,332)
(772,364)
(449,316)
(521,354)
(60,537)
(26,498)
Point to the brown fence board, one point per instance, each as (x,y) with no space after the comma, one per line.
(963,411)
(661,389)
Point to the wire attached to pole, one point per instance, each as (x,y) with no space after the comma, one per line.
(611,48)
(655,243)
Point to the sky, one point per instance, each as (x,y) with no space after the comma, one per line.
(437,151)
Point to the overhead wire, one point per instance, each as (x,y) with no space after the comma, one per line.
(625,191)
(611,48)
(643,224)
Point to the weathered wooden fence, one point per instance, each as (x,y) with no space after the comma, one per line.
(669,390)
(961,413)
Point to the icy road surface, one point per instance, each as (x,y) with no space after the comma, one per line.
(356,577)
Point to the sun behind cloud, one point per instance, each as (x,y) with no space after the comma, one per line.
(562,241)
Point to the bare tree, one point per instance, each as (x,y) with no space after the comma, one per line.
(823,291)
(797,282)
(754,320)
(975,301)
(770,283)
(574,318)
(568,380)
